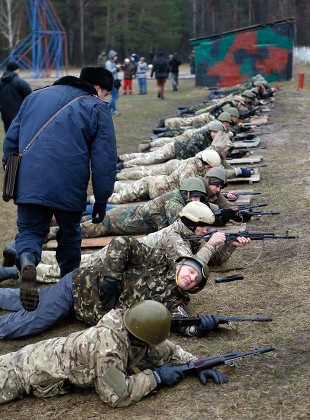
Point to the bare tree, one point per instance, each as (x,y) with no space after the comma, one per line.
(10,22)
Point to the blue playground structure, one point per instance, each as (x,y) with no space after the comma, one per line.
(45,48)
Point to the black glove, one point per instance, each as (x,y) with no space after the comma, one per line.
(226,215)
(109,292)
(214,375)
(243,172)
(167,375)
(98,213)
(246,215)
(208,323)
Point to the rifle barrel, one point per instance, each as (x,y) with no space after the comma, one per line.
(222,359)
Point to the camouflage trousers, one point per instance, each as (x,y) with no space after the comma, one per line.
(119,221)
(137,173)
(189,121)
(48,270)
(164,140)
(161,155)
(146,188)
(11,386)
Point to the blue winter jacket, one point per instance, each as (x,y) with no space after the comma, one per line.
(80,141)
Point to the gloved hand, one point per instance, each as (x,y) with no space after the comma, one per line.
(208,323)
(243,172)
(226,215)
(214,375)
(246,215)
(109,291)
(98,213)
(167,375)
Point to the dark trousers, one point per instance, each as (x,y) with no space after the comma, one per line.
(33,222)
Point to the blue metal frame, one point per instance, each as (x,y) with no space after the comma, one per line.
(45,47)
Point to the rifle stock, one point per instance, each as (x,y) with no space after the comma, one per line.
(222,359)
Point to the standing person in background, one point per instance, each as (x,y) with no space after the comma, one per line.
(113,68)
(174,64)
(161,70)
(129,69)
(191,60)
(79,140)
(142,76)
(13,90)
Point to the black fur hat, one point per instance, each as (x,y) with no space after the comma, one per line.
(12,66)
(97,76)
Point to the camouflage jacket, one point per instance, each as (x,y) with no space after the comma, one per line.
(101,357)
(199,141)
(163,210)
(145,273)
(171,240)
(133,220)
(160,184)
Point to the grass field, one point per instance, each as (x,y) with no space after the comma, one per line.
(276,283)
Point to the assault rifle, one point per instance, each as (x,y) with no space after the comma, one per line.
(184,321)
(249,206)
(222,359)
(257,125)
(254,235)
(246,193)
(249,136)
(240,153)
(259,213)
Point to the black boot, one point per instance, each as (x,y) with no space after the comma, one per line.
(160,122)
(7,273)
(160,130)
(185,111)
(29,295)
(9,254)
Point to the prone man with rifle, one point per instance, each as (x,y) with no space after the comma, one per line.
(124,357)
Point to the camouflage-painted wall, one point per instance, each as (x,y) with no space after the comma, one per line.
(233,57)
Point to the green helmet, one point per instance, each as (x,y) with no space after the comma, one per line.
(233,111)
(248,94)
(193,184)
(254,90)
(215,126)
(224,117)
(198,212)
(210,157)
(258,83)
(200,266)
(217,176)
(149,321)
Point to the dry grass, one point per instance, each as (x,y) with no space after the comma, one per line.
(275,385)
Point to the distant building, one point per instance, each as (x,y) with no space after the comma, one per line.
(230,58)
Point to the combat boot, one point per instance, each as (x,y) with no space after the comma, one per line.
(29,295)
(160,122)
(158,130)
(9,254)
(181,112)
(143,147)
(7,273)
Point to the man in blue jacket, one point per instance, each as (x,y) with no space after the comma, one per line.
(54,172)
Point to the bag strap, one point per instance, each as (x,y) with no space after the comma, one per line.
(48,122)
